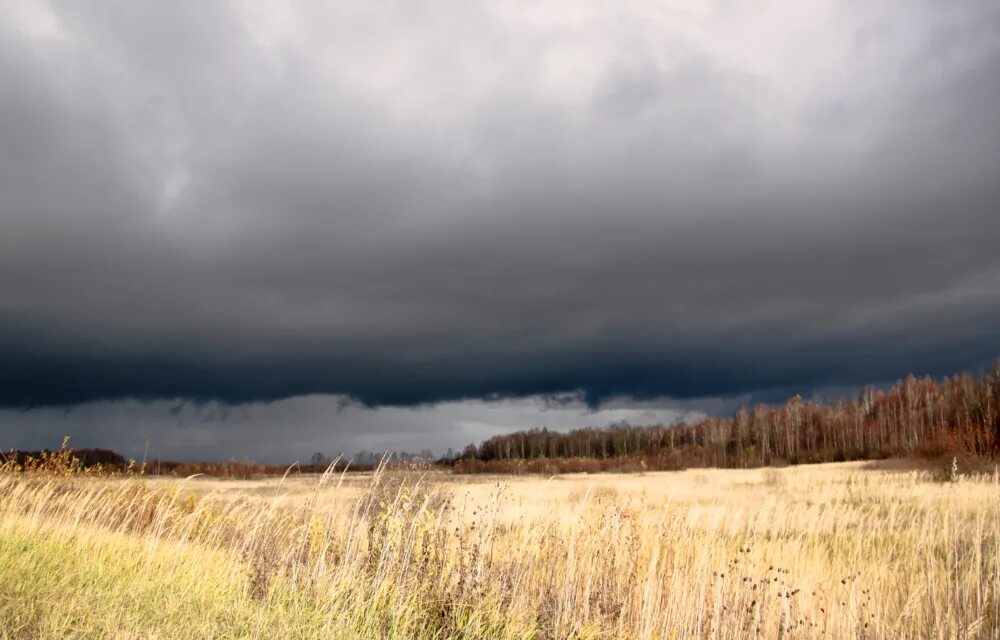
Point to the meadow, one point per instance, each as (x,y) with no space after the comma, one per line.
(842,550)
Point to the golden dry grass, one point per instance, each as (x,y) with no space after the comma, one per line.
(825,551)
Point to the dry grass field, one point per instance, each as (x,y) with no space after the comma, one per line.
(823,551)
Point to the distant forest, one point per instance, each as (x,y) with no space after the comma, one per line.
(916,417)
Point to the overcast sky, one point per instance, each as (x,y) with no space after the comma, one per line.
(370,223)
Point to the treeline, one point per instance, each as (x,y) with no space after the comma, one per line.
(234,469)
(84,457)
(318,463)
(916,417)
(238,469)
(110,461)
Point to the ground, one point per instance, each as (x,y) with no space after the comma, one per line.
(837,550)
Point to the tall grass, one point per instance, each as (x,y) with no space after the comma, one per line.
(842,554)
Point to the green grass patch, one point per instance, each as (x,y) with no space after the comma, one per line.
(99,585)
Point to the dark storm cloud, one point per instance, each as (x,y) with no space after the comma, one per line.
(409,203)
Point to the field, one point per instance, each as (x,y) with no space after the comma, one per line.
(841,550)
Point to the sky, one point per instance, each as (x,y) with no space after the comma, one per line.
(269,228)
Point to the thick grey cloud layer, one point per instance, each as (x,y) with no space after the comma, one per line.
(415,202)
(306,424)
